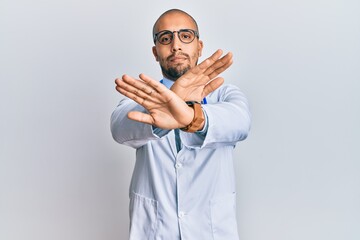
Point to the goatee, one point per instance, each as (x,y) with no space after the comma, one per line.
(174,73)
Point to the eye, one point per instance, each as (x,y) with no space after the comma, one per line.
(186,36)
(165,38)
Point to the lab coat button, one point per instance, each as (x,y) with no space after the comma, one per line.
(178,165)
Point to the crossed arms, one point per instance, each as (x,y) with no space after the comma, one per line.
(150,102)
(166,108)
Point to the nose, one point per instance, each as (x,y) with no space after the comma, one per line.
(176,43)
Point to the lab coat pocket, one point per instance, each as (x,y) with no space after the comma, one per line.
(223,217)
(143,217)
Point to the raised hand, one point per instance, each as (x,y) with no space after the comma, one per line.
(166,109)
(199,81)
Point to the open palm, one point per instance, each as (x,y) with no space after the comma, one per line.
(200,80)
(165,109)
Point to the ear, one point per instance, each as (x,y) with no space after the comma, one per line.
(200,47)
(155,53)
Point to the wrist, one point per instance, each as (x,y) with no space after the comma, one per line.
(198,121)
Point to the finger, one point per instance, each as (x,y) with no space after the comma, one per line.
(117,80)
(120,84)
(218,66)
(143,91)
(156,85)
(215,56)
(212,70)
(221,69)
(138,99)
(138,84)
(141,117)
(207,62)
(212,86)
(139,91)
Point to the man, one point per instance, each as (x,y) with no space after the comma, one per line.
(184,129)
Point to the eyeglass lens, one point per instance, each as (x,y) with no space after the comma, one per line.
(185,35)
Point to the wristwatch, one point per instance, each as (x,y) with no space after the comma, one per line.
(198,117)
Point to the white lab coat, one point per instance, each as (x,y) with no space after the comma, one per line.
(190,194)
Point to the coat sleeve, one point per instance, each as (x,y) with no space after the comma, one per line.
(228,119)
(129,132)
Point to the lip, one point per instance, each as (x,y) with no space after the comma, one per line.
(177,59)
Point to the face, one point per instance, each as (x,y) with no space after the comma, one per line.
(177,57)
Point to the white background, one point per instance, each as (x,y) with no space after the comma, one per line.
(62,177)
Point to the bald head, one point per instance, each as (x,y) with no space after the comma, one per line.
(173,12)
(180,53)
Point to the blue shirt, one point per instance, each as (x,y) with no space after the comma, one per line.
(187,194)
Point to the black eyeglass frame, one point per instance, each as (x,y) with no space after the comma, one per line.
(196,33)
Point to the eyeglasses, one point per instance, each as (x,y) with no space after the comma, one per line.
(185,35)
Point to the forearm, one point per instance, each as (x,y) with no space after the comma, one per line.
(128,132)
(228,119)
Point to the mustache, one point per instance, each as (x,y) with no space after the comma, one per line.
(176,55)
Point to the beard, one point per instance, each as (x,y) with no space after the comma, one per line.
(176,72)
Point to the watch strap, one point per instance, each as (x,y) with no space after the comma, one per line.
(198,117)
